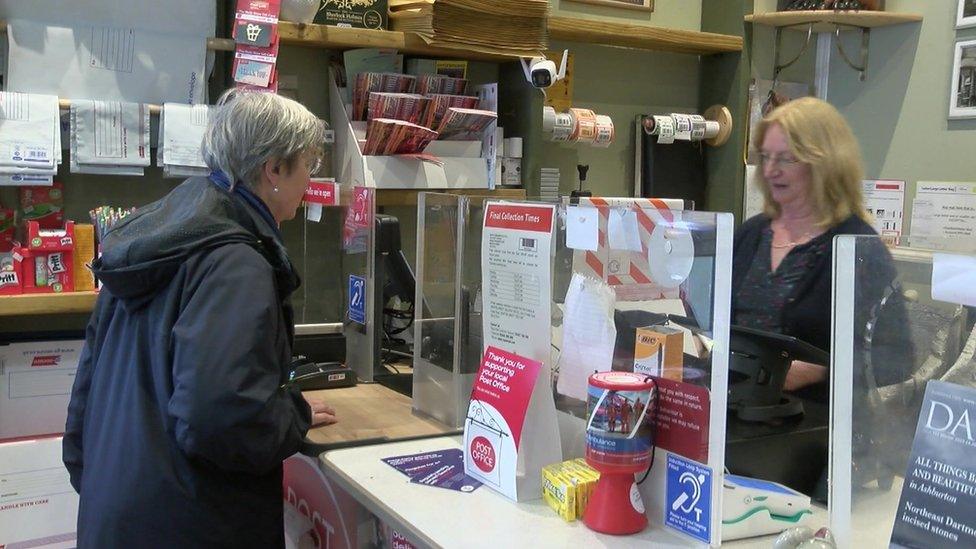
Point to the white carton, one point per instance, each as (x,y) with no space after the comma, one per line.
(35,386)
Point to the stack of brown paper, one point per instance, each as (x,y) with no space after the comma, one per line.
(504,27)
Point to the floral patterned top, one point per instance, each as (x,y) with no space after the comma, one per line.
(764,292)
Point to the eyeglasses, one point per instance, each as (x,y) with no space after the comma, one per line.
(314,165)
(778,161)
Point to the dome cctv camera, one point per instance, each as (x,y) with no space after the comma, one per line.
(542,73)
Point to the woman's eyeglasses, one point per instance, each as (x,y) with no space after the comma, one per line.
(779,161)
(314,165)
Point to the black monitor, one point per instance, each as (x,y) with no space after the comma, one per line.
(758,363)
(394,278)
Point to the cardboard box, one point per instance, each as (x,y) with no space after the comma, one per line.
(11,272)
(48,265)
(35,386)
(84,254)
(7,229)
(45,205)
(658,352)
(364,14)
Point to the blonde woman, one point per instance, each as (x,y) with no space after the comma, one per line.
(811,184)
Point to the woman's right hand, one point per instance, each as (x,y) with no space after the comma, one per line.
(322,413)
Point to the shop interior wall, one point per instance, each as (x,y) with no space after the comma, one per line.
(619,82)
(900,112)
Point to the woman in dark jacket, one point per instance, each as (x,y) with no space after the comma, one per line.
(179,417)
(782,261)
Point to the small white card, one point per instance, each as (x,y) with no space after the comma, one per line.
(622,230)
(954,278)
(582,228)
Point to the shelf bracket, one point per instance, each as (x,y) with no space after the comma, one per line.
(865,39)
(777,48)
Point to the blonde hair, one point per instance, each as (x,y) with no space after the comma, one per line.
(820,138)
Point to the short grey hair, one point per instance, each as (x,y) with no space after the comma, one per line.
(246,129)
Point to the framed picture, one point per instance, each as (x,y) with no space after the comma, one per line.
(966,16)
(962,97)
(644,5)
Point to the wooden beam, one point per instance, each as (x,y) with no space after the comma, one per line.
(45,304)
(641,36)
(342,38)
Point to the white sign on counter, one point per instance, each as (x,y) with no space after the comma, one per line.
(885,201)
(516,273)
(944,216)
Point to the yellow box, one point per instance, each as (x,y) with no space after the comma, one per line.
(658,352)
(559,492)
(84,254)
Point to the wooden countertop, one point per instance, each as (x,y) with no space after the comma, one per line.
(369,413)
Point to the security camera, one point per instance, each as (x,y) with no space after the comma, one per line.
(541,72)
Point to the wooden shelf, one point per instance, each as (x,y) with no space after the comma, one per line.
(408,197)
(641,37)
(828,20)
(342,38)
(45,304)
(560,28)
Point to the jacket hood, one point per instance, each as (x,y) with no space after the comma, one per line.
(143,253)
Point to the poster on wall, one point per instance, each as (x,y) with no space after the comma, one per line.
(884,199)
(962,97)
(644,5)
(944,216)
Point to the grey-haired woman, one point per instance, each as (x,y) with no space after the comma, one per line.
(179,420)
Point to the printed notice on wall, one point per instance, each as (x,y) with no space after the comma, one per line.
(885,202)
(937,508)
(516,270)
(944,216)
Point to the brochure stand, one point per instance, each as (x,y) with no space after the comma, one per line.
(402,172)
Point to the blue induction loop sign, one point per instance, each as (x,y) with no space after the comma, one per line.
(357,299)
(689,498)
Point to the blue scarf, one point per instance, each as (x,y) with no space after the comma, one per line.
(220,179)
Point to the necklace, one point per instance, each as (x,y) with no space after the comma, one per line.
(793,243)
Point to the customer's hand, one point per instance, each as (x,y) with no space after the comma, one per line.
(802,374)
(322,413)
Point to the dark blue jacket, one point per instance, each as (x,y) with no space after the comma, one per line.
(178,423)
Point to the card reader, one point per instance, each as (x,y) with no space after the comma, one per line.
(313,376)
(753,507)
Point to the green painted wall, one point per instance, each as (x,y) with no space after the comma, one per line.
(617,82)
(899,113)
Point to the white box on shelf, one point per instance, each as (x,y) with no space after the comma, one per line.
(398,172)
(35,385)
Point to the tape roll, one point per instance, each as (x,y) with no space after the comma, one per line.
(682,126)
(513,147)
(562,127)
(664,129)
(670,254)
(604,131)
(697,127)
(548,119)
(584,125)
(711,129)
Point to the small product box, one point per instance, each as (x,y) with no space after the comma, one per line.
(48,265)
(11,272)
(362,14)
(658,352)
(7,229)
(45,205)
